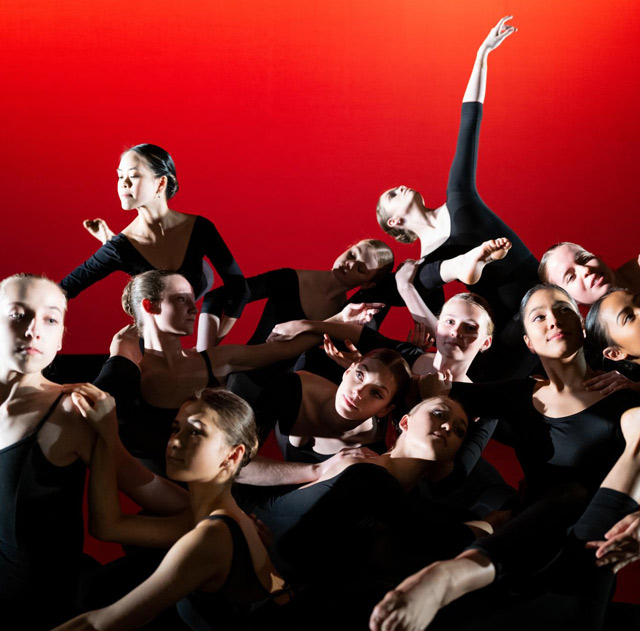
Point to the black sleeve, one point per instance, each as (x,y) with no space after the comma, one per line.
(475,441)
(258,288)
(370,340)
(120,377)
(105,261)
(462,176)
(221,258)
(279,403)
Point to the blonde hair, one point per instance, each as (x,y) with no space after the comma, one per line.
(477,301)
(22,276)
(146,286)
(399,234)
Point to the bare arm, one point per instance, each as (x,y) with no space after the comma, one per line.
(110,465)
(477,86)
(235,358)
(201,556)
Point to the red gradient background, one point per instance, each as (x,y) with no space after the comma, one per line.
(287,118)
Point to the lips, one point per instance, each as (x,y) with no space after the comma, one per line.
(441,436)
(350,404)
(557,336)
(29,350)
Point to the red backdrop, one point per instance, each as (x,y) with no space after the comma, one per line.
(286,119)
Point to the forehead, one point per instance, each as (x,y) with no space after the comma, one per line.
(177,284)
(376,369)
(35,292)
(367,253)
(617,301)
(463,309)
(545,297)
(196,410)
(457,411)
(132,160)
(562,258)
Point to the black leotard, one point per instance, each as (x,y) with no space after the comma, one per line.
(580,448)
(119,254)
(241,595)
(144,428)
(41,533)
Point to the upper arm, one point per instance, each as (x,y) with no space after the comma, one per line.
(201,556)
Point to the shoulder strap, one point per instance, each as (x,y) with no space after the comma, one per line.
(212,378)
(48,413)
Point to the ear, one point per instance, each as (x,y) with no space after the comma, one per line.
(150,307)
(162,184)
(527,341)
(392,222)
(404,422)
(486,345)
(614,353)
(234,457)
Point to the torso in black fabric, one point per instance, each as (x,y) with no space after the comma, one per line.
(278,408)
(580,448)
(119,254)
(41,533)
(144,428)
(241,595)
(362,514)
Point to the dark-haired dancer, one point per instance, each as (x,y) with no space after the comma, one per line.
(160,238)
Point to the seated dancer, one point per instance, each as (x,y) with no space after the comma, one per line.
(150,388)
(464,222)
(217,569)
(583,275)
(159,238)
(45,446)
(574,592)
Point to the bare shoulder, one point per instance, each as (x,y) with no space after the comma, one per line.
(66,436)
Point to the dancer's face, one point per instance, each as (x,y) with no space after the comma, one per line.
(435,429)
(32,316)
(620,315)
(177,311)
(584,276)
(397,202)
(462,330)
(553,327)
(198,450)
(366,390)
(356,266)
(138,185)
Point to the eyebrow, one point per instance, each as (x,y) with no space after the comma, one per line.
(24,306)
(377,384)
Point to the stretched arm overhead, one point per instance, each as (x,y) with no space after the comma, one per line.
(477,86)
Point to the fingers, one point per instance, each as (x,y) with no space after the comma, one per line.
(83,406)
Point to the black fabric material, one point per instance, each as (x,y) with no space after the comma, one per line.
(144,428)
(41,533)
(119,254)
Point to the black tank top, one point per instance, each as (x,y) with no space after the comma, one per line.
(41,528)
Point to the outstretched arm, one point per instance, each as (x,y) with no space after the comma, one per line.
(477,86)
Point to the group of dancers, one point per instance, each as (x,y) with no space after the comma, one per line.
(382,513)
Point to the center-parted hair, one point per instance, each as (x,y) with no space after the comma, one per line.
(477,301)
(24,276)
(383,254)
(545,287)
(161,163)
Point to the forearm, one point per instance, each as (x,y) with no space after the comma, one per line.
(624,477)
(265,472)
(417,307)
(333,328)
(477,86)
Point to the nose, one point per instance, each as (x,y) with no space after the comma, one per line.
(446,426)
(33,330)
(192,307)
